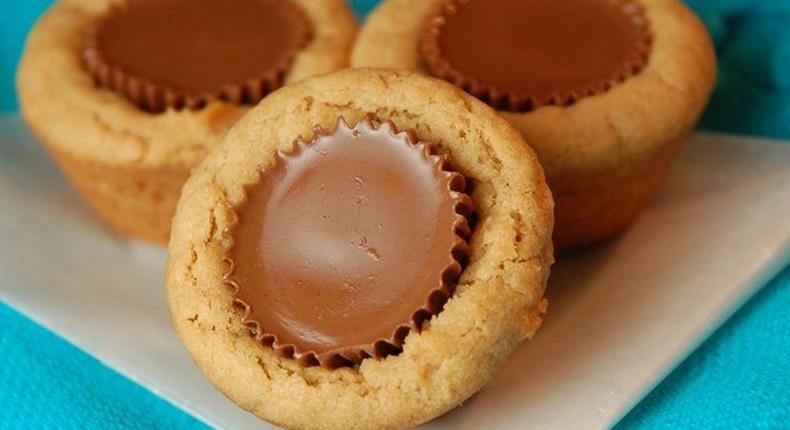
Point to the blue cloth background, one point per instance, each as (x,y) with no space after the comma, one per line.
(738,379)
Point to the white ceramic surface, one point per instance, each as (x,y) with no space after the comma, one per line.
(621,316)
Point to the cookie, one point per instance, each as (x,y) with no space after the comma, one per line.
(128,113)
(605,91)
(363,250)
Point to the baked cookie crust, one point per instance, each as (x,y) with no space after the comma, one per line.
(127,163)
(498,301)
(605,155)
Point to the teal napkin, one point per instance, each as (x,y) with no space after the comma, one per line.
(739,379)
(753,43)
(46,383)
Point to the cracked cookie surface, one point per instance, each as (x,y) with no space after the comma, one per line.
(127,163)
(498,301)
(606,154)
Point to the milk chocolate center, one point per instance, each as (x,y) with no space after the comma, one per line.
(201,46)
(342,241)
(547,51)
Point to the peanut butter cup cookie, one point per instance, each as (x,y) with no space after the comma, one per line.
(129,95)
(605,91)
(363,250)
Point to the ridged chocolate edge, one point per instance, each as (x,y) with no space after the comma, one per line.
(353,355)
(153,97)
(501,99)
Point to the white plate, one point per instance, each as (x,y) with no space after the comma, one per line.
(620,318)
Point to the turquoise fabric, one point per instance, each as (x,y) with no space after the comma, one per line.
(16,17)
(753,41)
(46,382)
(738,379)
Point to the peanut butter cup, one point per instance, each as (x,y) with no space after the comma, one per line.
(346,243)
(520,54)
(183,54)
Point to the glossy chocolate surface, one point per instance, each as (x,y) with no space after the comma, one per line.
(201,48)
(518,54)
(348,242)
